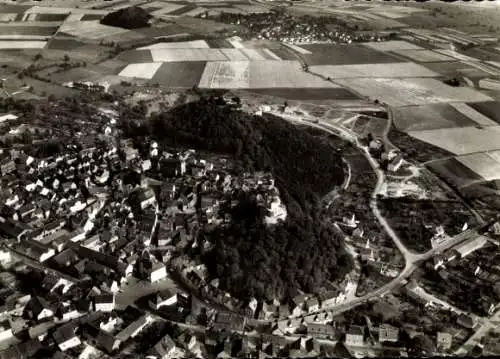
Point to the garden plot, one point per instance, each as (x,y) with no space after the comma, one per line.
(195,44)
(90,30)
(15,45)
(402,69)
(462,140)
(424,55)
(429,117)
(411,91)
(180,55)
(474,115)
(393,45)
(481,163)
(144,71)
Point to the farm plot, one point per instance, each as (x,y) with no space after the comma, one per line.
(462,140)
(474,115)
(490,109)
(259,74)
(456,55)
(283,74)
(411,91)
(7,17)
(454,172)
(393,45)
(401,69)
(298,49)
(483,164)
(225,74)
(424,55)
(234,54)
(450,68)
(166,8)
(13,45)
(307,94)
(64,44)
(339,54)
(179,74)
(429,117)
(145,70)
(195,44)
(92,30)
(196,12)
(180,55)
(8,29)
(135,56)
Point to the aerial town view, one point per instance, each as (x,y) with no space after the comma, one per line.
(249,178)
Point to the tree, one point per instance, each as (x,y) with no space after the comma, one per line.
(422,345)
(38,56)
(66,58)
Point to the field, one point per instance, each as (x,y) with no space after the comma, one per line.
(308,93)
(454,172)
(389,70)
(483,164)
(179,74)
(8,29)
(462,140)
(179,55)
(411,91)
(447,68)
(473,114)
(142,70)
(195,44)
(226,75)
(259,74)
(91,30)
(6,45)
(135,56)
(490,109)
(64,44)
(429,117)
(338,54)
(207,54)
(392,45)
(424,55)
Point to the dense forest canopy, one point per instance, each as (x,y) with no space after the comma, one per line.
(132,17)
(250,258)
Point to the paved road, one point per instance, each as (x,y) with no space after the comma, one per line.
(487,325)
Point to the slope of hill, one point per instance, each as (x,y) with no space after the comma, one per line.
(250,258)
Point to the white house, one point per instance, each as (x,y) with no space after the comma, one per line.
(105,303)
(158,272)
(5,330)
(166,297)
(134,328)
